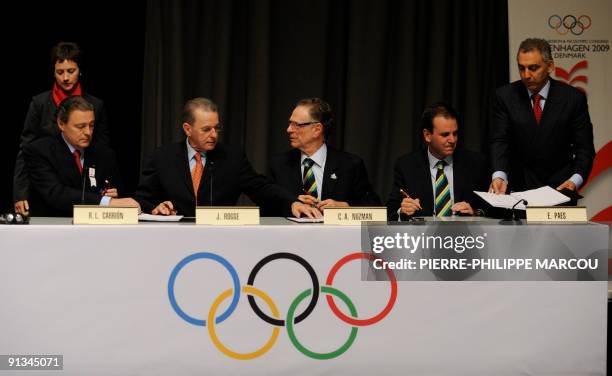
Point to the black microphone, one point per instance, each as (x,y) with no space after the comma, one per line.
(84,173)
(212,164)
(514,216)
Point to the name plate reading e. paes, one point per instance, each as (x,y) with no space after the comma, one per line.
(104,215)
(354,215)
(227,215)
(556,214)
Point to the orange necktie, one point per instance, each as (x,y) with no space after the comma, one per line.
(196,174)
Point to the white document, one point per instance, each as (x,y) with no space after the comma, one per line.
(543,196)
(306,220)
(159,218)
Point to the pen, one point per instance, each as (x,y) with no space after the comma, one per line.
(406,195)
(308,194)
(107,186)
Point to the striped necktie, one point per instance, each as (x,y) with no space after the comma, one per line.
(443,198)
(308,179)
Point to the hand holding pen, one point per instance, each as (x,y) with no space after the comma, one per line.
(109,191)
(308,199)
(409,205)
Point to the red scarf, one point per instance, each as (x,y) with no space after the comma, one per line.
(59,94)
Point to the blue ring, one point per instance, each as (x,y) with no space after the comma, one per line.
(220,260)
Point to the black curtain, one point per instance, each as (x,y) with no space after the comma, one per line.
(378,63)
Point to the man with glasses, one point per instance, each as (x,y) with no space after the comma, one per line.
(314,172)
(200,171)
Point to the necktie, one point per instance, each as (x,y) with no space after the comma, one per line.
(537,107)
(77,158)
(310,184)
(196,174)
(443,199)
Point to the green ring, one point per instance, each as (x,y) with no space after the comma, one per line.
(304,350)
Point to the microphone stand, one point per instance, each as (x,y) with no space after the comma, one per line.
(515,220)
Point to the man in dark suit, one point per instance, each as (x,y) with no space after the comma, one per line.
(66,169)
(541,132)
(440,179)
(314,172)
(200,171)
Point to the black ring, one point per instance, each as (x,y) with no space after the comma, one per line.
(568,17)
(309,269)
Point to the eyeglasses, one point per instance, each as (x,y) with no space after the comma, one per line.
(293,124)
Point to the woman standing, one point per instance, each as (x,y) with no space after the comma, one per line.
(41,120)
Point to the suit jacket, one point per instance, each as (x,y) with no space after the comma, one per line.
(412,174)
(344,179)
(56,183)
(227,174)
(40,122)
(545,154)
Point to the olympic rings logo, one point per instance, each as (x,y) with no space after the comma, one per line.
(569,23)
(291,319)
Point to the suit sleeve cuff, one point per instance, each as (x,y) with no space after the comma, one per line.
(105,201)
(577,179)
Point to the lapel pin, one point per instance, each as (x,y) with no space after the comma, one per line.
(333,176)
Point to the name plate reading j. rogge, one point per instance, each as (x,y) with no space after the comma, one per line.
(227,215)
(354,215)
(104,215)
(557,214)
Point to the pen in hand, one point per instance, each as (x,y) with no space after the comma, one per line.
(406,195)
(107,186)
(313,197)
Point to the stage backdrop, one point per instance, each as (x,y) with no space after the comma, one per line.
(579,33)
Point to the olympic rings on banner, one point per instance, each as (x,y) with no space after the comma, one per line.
(350,320)
(291,320)
(187,260)
(304,350)
(213,334)
(311,273)
(569,23)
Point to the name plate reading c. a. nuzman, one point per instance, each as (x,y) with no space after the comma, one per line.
(227,215)
(104,215)
(354,215)
(556,214)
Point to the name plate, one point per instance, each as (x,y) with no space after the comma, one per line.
(227,215)
(104,215)
(354,215)
(557,214)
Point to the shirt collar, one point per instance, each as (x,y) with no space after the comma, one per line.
(433,160)
(72,148)
(543,92)
(318,156)
(191,152)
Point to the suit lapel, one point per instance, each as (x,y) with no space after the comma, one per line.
(182,166)
(553,105)
(330,176)
(459,172)
(294,171)
(65,162)
(427,199)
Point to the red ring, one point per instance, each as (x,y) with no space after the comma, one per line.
(350,320)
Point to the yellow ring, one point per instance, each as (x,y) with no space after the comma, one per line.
(211,324)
